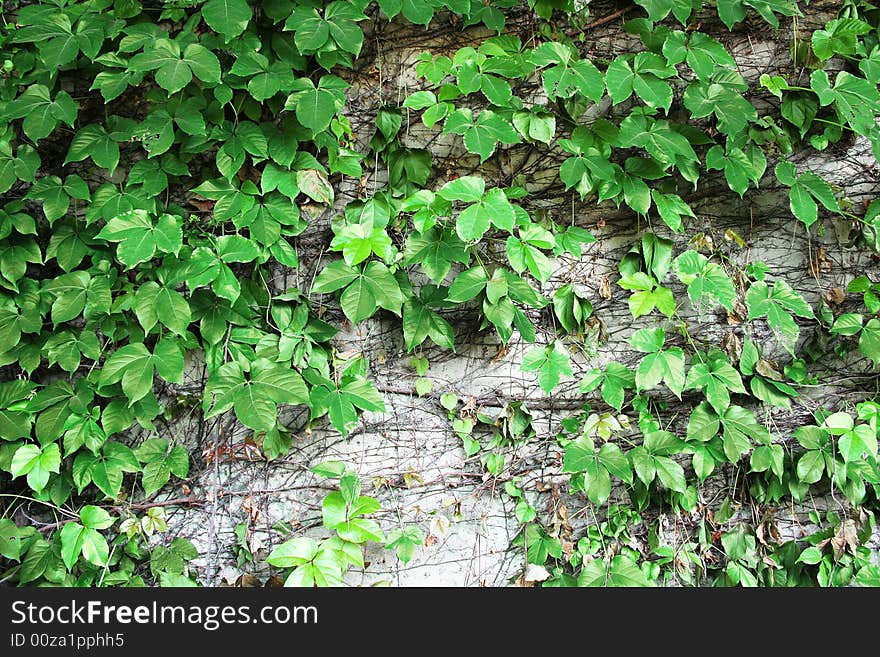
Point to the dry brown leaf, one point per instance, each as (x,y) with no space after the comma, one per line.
(821,263)
(769,369)
(605,288)
(835,296)
(732,346)
(248,581)
(847,535)
(274,582)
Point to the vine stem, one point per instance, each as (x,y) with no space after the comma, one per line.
(140,506)
(599,22)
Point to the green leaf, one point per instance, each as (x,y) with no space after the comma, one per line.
(716,378)
(648,340)
(732,111)
(134,365)
(524,256)
(703,424)
(10,543)
(731,12)
(579,453)
(36,463)
(492,209)
(856,99)
(657,9)
(869,340)
(658,138)
(341,403)
(568,77)
(228,17)
(667,366)
(154,303)
(847,324)
(618,571)
(254,397)
(312,31)
(551,363)
(739,428)
(739,168)
(778,306)
(72,538)
(316,106)
(94,141)
(175,70)
(417,12)
(334,276)
(805,190)
(420,100)
(467,285)
(536,125)
(840,37)
(155,475)
(670,473)
(671,208)
(140,239)
(435,252)
(856,442)
(810,466)
(404,542)
(708,284)
(618,378)
(466,188)
(294,552)
(483,135)
(94,517)
(235,248)
(420,323)
(374,287)
(71,292)
(643,75)
(540,545)
(41,114)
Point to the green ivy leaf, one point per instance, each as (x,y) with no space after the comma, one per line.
(618,571)
(708,284)
(717,378)
(94,141)
(175,69)
(341,403)
(869,340)
(618,378)
(140,239)
(856,99)
(228,17)
(254,394)
(840,37)
(732,111)
(37,463)
(659,364)
(41,113)
(778,305)
(421,322)
(404,542)
(568,76)
(469,189)
(671,208)
(134,365)
(467,285)
(435,251)
(551,363)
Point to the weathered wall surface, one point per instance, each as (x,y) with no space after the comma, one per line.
(409,457)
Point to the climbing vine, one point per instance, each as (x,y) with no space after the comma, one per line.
(159,162)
